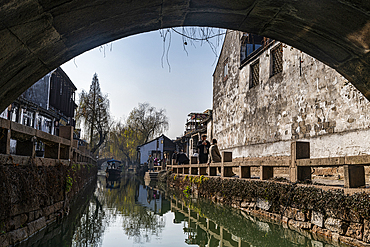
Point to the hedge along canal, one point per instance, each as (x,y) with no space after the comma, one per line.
(328,215)
(34,196)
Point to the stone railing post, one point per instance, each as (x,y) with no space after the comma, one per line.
(5,133)
(354,176)
(66,132)
(266,172)
(299,150)
(226,171)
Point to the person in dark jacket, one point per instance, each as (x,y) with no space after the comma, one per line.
(182,158)
(174,157)
(203,149)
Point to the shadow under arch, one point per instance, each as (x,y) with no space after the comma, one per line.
(40,35)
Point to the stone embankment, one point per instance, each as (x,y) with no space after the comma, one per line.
(329,214)
(34,196)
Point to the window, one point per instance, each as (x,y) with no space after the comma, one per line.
(250,43)
(277,60)
(226,69)
(254,74)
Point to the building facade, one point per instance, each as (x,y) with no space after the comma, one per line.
(46,105)
(196,125)
(267,94)
(156,148)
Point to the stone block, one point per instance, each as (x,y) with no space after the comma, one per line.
(38,214)
(31,216)
(354,216)
(17,235)
(366,235)
(299,224)
(294,213)
(244,204)
(4,240)
(58,206)
(321,234)
(300,216)
(17,221)
(48,210)
(317,218)
(336,225)
(315,243)
(335,237)
(36,225)
(348,241)
(355,230)
(263,204)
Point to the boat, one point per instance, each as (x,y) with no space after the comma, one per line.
(113,169)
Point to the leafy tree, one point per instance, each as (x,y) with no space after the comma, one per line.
(123,142)
(93,111)
(147,121)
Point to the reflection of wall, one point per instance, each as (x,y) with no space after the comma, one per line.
(147,199)
(224,227)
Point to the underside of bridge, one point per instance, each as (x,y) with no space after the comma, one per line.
(39,35)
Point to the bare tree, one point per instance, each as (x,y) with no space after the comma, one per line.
(148,121)
(93,111)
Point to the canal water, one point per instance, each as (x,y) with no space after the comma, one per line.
(129,213)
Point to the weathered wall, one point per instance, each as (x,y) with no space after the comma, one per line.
(34,196)
(315,104)
(39,92)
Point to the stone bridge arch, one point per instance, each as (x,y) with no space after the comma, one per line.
(36,36)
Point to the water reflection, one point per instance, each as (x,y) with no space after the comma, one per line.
(128,212)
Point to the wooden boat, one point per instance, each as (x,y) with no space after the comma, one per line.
(113,170)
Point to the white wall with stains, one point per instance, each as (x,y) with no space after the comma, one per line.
(307,101)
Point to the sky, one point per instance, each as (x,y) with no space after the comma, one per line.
(130,71)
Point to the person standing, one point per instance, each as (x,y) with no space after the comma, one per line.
(214,153)
(203,149)
(150,163)
(182,158)
(174,157)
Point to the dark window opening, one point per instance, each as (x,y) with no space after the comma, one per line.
(277,60)
(250,44)
(255,75)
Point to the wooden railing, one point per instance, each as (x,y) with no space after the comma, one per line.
(61,147)
(299,164)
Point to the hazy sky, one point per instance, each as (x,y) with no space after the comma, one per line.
(130,72)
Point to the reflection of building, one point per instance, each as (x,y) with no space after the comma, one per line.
(46,105)
(196,125)
(152,199)
(156,148)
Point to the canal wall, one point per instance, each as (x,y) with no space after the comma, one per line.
(34,195)
(331,214)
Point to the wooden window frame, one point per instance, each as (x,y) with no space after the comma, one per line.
(254,75)
(276,55)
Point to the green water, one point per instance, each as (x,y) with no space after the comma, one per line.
(129,213)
